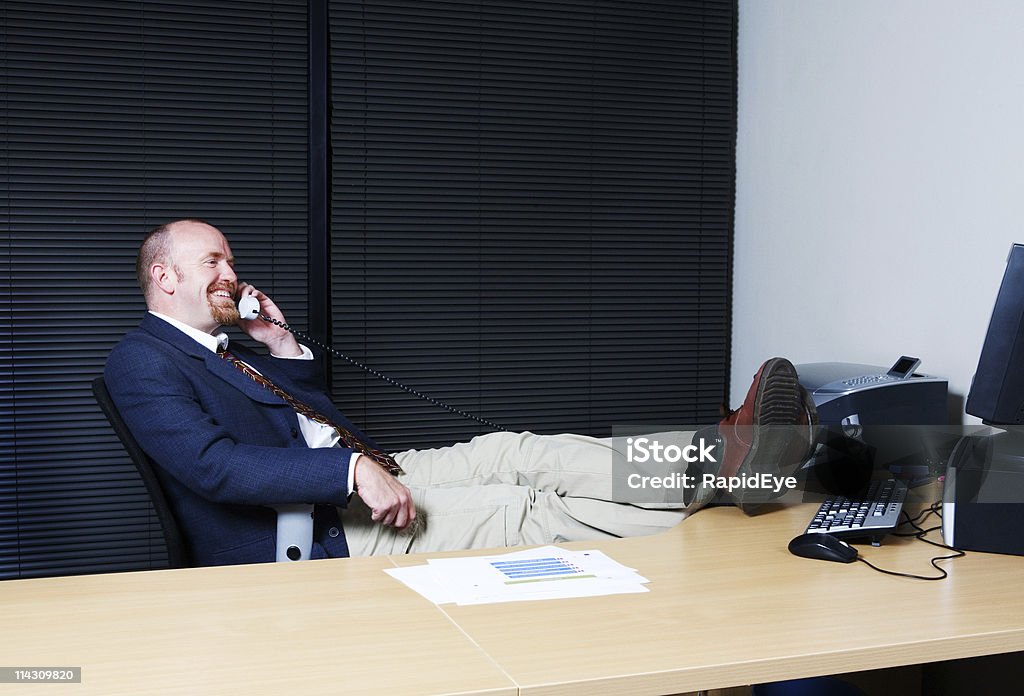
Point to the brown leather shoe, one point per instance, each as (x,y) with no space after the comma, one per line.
(772,430)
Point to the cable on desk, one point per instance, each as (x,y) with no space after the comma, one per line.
(920,533)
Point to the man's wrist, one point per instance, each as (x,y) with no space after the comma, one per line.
(284,347)
(304,354)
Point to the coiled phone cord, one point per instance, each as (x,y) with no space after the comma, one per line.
(382,376)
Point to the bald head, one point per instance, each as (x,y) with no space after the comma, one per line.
(156,248)
(186,271)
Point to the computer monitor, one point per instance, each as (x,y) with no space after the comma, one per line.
(997,392)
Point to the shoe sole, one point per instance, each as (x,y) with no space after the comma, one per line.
(778,402)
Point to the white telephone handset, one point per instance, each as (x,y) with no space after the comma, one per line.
(248,307)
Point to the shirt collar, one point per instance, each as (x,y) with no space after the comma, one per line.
(214,343)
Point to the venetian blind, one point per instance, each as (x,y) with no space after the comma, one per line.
(115,117)
(532,212)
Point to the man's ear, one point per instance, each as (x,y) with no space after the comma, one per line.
(164,278)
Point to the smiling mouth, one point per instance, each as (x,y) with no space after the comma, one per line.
(222,294)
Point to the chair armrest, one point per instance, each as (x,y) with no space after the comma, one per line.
(294,532)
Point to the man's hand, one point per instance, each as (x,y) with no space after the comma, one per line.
(389,500)
(277,340)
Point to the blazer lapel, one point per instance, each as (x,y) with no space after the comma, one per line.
(223,369)
(216,365)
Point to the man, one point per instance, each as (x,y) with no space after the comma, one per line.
(234,432)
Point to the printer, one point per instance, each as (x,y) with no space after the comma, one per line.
(873,418)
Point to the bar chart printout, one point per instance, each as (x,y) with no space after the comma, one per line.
(539,570)
(531,574)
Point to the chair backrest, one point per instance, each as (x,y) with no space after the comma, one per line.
(177,551)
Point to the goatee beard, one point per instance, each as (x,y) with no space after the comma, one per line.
(225,314)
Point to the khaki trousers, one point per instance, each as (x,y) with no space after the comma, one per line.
(510,489)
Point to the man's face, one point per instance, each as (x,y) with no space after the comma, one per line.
(203,266)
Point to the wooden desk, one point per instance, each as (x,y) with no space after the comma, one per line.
(728,606)
(322,627)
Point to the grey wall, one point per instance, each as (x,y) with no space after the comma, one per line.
(880,179)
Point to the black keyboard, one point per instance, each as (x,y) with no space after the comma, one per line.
(872,514)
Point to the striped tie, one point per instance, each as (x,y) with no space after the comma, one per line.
(348,438)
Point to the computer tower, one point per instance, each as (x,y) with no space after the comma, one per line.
(983,496)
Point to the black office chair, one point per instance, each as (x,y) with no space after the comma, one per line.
(177,551)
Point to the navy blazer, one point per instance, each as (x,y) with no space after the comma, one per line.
(226,447)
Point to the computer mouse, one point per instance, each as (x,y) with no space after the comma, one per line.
(824,547)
